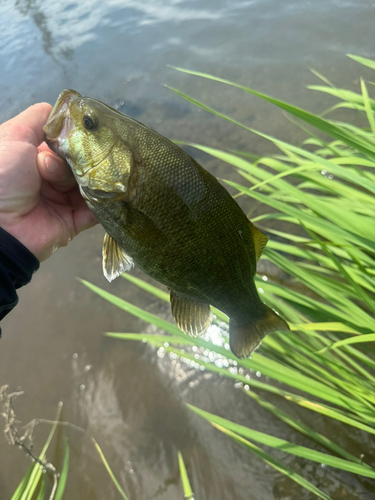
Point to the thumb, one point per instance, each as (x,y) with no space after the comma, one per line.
(55,171)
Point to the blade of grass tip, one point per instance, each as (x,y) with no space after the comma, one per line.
(368,337)
(37,469)
(348,96)
(188,492)
(322,77)
(109,470)
(280,467)
(363,60)
(64,473)
(339,105)
(368,108)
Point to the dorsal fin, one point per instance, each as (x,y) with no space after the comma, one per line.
(115,259)
(260,241)
(191,316)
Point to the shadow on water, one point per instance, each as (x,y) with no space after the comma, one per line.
(33,9)
(129,396)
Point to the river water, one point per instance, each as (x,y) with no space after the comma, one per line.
(125,394)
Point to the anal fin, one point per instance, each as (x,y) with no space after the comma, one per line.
(191,316)
(115,259)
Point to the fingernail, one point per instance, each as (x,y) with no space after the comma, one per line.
(51,164)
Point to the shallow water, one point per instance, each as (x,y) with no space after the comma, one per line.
(125,394)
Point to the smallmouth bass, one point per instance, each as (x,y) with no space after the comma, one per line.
(164,212)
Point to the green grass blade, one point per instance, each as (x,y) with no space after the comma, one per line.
(42,490)
(345,95)
(109,470)
(64,473)
(369,106)
(188,492)
(369,337)
(362,60)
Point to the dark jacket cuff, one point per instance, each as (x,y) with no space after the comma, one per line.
(17,265)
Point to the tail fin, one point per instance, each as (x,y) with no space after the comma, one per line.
(245,338)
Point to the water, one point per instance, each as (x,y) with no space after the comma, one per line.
(124,394)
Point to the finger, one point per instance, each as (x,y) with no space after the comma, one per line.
(55,171)
(28,125)
(83,219)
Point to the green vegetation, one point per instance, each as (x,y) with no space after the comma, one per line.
(188,492)
(109,470)
(33,484)
(34,481)
(326,362)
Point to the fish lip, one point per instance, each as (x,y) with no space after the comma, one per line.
(60,124)
(56,120)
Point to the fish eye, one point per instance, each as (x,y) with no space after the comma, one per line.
(89,122)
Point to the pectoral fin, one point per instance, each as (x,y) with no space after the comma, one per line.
(191,316)
(260,241)
(115,259)
(141,227)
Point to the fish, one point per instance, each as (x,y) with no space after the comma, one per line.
(165,213)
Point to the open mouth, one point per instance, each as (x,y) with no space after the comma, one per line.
(59,123)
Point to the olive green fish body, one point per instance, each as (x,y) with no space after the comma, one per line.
(219,249)
(168,215)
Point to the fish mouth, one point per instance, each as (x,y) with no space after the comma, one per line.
(60,124)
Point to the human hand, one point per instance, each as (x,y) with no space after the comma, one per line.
(40,203)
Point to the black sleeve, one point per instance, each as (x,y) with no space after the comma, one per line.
(17,265)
